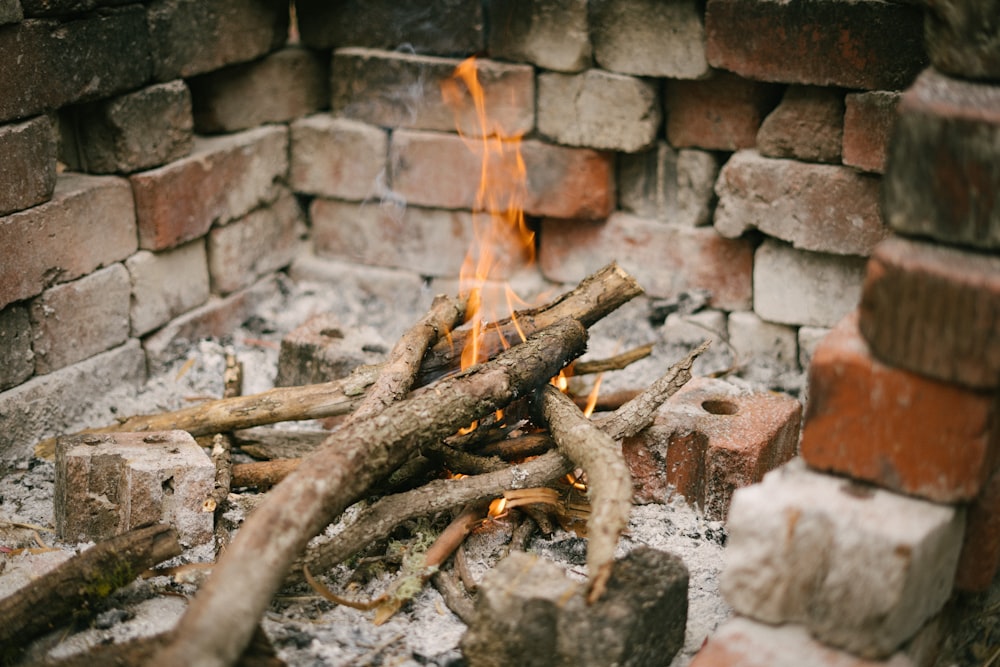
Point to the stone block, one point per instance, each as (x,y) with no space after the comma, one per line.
(90,222)
(818,207)
(868,45)
(109,484)
(963,38)
(261,242)
(28,168)
(765,351)
(280,87)
(403,90)
(337,157)
(598,109)
(934,310)
(723,112)
(323,349)
(697,256)
(223,179)
(420,26)
(709,439)
(869,119)
(804,288)
(980,558)
(166,284)
(190,37)
(36,409)
(18,361)
(667,184)
(649,37)
(64,57)
(954,197)
(76,320)
(893,428)
(138,130)
(530,613)
(551,35)
(863,569)
(807,125)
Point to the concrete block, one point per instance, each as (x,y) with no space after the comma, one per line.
(649,38)
(807,125)
(223,179)
(18,361)
(823,208)
(322,349)
(862,569)
(166,284)
(709,439)
(552,35)
(28,169)
(804,288)
(869,120)
(666,184)
(764,350)
(934,310)
(109,484)
(337,157)
(90,222)
(598,109)
(963,38)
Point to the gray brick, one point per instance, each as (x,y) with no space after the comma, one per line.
(552,35)
(666,184)
(337,157)
(17,363)
(764,350)
(28,168)
(166,284)
(809,338)
(807,125)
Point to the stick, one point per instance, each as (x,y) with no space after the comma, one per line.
(221,617)
(615,363)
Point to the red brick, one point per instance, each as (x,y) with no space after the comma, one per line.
(553,36)
(867,44)
(402,90)
(697,256)
(807,125)
(962,39)
(28,168)
(723,112)
(89,223)
(934,310)
(224,178)
(869,119)
(980,558)
(284,85)
(894,428)
(191,37)
(942,179)
(48,64)
(443,170)
(709,439)
(818,207)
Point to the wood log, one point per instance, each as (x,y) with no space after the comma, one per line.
(220,619)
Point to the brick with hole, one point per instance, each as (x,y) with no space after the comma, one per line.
(869,119)
(28,169)
(807,125)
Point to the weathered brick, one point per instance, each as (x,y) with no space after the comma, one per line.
(697,256)
(667,184)
(980,558)
(711,438)
(109,484)
(551,35)
(28,168)
(10,11)
(18,361)
(598,109)
(765,351)
(649,37)
(863,569)
(49,64)
(223,178)
(809,340)
(804,288)
(963,38)
(138,130)
(36,8)
(322,349)
(263,241)
(189,37)
(955,196)
(49,405)
(807,125)
(284,85)
(869,119)
(89,223)
(893,428)
(934,310)
(824,208)
(444,170)
(438,26)
(76,320)
(869,44)
(166,284)
(722,112)
(337,157)
(403,90)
